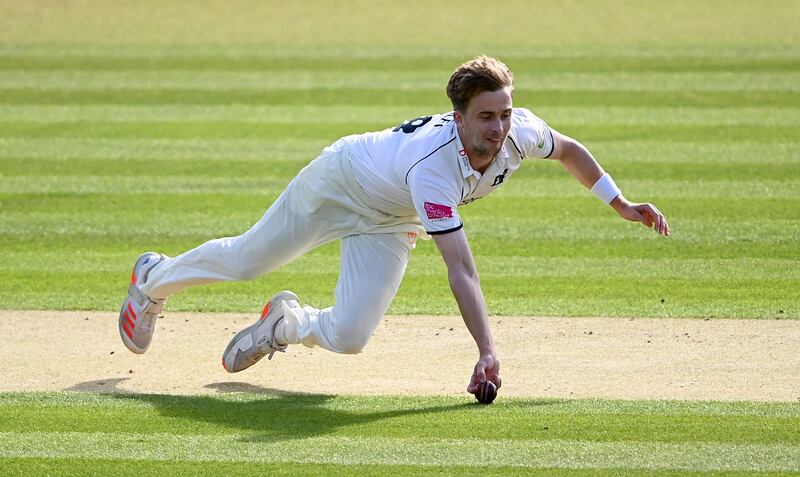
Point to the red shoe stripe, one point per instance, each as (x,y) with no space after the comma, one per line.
(265,311)
(223,364)
(130,321)
(127,331)
(130,308)
(133,278)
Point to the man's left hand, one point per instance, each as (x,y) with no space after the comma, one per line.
(647,214)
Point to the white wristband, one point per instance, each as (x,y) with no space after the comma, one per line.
(605,189)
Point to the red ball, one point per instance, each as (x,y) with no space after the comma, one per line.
(486,392)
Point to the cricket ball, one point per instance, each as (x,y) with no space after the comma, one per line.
(486,392)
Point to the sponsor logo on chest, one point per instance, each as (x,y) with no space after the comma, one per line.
(462,155)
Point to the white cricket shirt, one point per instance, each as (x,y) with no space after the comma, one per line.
(420,168)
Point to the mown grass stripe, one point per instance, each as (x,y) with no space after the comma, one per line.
(721,243)
(273,184)
(118,467)
(544,212)
(79,467)
(634,151)
(297,416)
(699,298)
(411,79)
(372,404)
(481,229)
(612,116)
(318,130)
(670,51)
(276,166)
(504,267)
(393,451)
(194,149)
(430,100)
(544,261)
(578,58)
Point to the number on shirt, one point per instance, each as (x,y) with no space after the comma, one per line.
(411,125)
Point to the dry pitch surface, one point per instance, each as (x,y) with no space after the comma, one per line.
(541,357)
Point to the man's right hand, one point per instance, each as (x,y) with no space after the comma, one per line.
(487,368)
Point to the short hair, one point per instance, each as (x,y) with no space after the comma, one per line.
(480,74)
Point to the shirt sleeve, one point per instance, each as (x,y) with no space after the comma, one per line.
(436,199)
(533,136)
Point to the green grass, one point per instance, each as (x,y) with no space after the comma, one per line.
(219,107)
(692,105)
(69,433)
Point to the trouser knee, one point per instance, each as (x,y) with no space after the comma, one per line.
(350,339)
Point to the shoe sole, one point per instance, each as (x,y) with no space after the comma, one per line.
(235,341)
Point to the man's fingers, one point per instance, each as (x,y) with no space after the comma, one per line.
(648,215)
(478,375)
(496,380)
(643,216)
(663,228)
(474,382)
(660,222)
(480,371)
(486,369)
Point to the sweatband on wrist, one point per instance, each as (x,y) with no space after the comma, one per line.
(605,189)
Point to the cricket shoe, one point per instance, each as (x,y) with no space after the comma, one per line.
(258,339)
(137,318)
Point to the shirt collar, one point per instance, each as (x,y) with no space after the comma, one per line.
(463,160)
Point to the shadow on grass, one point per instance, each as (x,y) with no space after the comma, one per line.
(265,414)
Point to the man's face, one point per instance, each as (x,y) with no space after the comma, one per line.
(486,122)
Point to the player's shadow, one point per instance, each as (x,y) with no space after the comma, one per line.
(264,414)
(102,386)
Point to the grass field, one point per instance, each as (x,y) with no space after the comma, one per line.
(123,130)
(132,126)
(78,434)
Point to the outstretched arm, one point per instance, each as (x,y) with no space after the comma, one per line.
(466,287)
(580,163)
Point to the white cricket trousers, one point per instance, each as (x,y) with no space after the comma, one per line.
(323,203)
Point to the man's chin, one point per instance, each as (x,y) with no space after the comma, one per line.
(493,148)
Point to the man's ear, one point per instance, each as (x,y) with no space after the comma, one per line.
(459,119)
